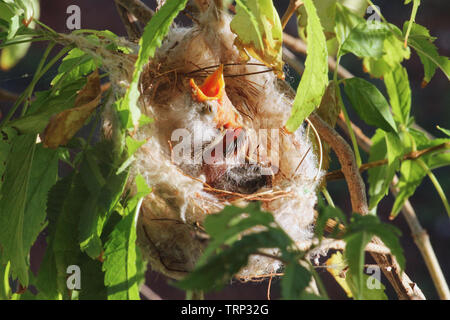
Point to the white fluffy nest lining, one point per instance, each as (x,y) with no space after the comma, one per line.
(183,193)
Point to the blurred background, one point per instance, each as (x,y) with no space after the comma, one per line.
(430,107)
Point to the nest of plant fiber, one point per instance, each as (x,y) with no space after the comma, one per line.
(244,119)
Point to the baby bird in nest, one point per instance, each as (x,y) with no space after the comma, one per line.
(226,165)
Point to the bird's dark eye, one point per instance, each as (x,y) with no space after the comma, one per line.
(208,108)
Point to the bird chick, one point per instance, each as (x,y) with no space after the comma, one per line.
(227,165)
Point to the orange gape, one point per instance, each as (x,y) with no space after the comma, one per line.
(213,89)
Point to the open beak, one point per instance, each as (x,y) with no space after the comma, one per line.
(212,89)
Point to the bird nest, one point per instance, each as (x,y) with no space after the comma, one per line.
(217,139)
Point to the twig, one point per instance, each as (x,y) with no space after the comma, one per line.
(290,58)
(138,9)
(148,293)
(299,46)
(5,95)
(293,6)
(129,21)
(338,174)
(340,245)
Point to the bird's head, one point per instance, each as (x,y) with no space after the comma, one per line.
(212,94)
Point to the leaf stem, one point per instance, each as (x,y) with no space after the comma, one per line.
(320,285)
(436,184)
(327,196)
(337,174)
(344,110)
(30,87)
(36,77)
(416,5)
(350,129)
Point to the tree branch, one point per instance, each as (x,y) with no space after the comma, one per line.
(403,286)
(348,163)
(419,234)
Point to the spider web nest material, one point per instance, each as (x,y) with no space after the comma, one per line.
(169,226)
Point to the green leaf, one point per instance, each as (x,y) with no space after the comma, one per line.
(370,104)
(445,131)
(43,175)
(357,7)
(386,232)
(120,266)
(354,254)
(366,40)
(259,32)
(422,42)
(11,55)
(315,77)
(373,290)
(45,106)
(14,193)
(379,177)
(75,65)
(220,267)
(15,13)
(394,52)
(227,225)
(412,174)
(326,10)
(99,176)
(7,136)
(65,239)
(397,85)
(346,20)
(5,289)
(294,282)
(47,282)
(154,33)
(360,232)
(92,280)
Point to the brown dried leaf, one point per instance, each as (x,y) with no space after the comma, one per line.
(64,125)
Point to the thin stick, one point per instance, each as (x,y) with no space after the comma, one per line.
(299,46)
(148,293)
(338,174)
(5,95)
(320,147)
(129,21)
(138,9)
(340,245)
(293,6)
